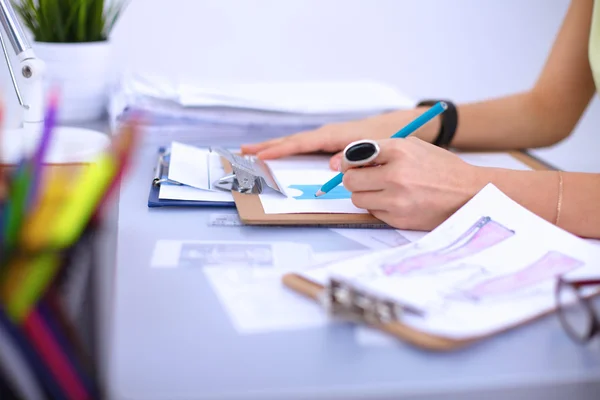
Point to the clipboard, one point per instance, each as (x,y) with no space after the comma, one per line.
(376,312)
(160,176)
(358,307)
(248,177)
(255,175)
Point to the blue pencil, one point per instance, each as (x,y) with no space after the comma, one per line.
(418,122)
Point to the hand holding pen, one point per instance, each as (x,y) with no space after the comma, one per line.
(362,153)
(408,183)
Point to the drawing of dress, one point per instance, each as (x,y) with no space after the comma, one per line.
(484,234)
(547,267)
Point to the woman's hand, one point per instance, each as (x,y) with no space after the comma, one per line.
(333,138)
(415,185)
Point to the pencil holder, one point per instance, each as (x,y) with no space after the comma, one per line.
(47,332)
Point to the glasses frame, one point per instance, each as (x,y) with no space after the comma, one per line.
(593,315)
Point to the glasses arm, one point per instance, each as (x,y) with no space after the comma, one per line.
(578,283)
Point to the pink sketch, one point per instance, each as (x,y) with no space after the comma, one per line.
(547,267)
(484,234)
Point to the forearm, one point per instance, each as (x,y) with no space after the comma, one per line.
(543,115)
(538,191)
(507,123)
(520,121)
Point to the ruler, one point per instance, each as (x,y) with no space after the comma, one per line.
(224,220)
(234,220)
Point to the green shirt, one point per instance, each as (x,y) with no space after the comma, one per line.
(594,45)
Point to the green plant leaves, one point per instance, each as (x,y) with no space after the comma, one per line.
(69,21)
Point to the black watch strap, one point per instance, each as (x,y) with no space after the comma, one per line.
(449,122)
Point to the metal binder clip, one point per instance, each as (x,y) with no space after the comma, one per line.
(346,301)
(249,175)
(161,169)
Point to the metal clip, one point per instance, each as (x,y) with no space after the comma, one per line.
(345,301)
(162,169)
(249,175)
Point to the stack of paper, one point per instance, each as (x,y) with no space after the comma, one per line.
(192,112)
(191,175)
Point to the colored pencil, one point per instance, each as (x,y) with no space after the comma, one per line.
(418,122)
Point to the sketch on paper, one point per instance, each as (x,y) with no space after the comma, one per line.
(227,254)
(544,269)
(301,184)
(483,270)
(482,235)
(307,192)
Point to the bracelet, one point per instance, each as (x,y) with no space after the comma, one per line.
(449,123)
(560,196)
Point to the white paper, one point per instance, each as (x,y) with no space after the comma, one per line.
(206,253)
(490,266)
(189,165)
(375,239)
(300,187)
(301,177)
(181,192)
(494,160)
(196,169)
(296,97)
(594,241)
(327,257)
(217,115)
(246,277)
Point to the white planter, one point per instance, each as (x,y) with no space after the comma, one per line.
(82,72)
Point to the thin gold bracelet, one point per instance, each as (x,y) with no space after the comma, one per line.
(560,196)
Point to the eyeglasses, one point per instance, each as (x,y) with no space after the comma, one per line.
(576,312)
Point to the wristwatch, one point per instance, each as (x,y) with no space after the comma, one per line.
(449,122)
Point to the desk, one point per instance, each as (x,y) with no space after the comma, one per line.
(171,339)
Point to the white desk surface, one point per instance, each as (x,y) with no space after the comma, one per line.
(167,336)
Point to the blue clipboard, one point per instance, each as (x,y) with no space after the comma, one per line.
(160,175)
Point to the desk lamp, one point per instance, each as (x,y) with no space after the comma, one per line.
(69,144)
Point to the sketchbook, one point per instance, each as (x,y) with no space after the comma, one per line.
(490,267)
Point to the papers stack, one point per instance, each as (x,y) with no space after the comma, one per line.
(194,111)
(191,176)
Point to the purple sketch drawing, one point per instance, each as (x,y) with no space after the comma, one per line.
(547,267)
(484,234)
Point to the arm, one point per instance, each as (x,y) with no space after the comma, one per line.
(552,107)
(539,117)
(421,176)
(542,116)
(539,192)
